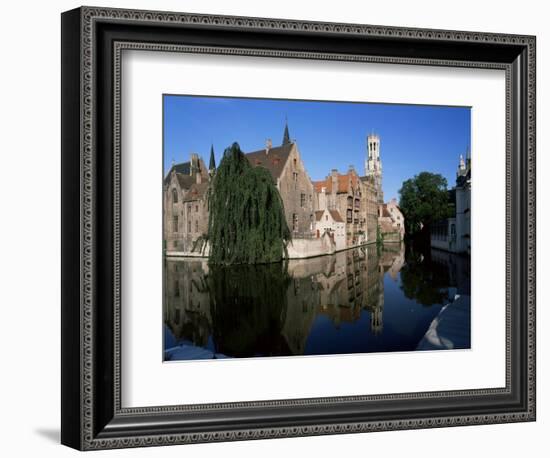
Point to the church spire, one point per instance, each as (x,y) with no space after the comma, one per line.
(212,165)
(286,135)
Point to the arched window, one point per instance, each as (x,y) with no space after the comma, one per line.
(174,195)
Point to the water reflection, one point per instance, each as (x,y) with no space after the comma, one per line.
(354,301)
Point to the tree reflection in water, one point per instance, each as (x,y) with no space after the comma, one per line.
(422,281)
(248,305)
(354,301)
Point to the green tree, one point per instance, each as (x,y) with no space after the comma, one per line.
(423,200)
(247,223)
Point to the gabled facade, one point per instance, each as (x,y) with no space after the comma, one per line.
(347,194)
(330,223)
(185,205)
(391,221)
(295,187)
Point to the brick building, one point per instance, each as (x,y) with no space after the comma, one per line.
(391,221)
(370,206)
(185,205)
(351,202)
(354,198)
(295,187)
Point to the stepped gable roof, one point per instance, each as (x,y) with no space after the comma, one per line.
(274,160)
(342,183)
(183,168)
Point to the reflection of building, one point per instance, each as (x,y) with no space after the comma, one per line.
(342,287)
(392,259)
(187,302)
(458,268)
(453,234)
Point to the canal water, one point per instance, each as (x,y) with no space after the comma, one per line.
(356,301)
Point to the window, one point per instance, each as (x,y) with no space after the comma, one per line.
(197,226)
(326,217)
(189,226)
(174,195)
(175,223)
(196,208)
(176,288)
(188,208)
(294,222)
(295,162)
(350,216)
(175,243)
(350,201)
(302,200)
(295,176)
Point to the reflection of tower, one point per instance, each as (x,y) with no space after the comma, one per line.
(373,164)
(376,320)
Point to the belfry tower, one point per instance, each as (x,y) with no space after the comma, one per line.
(373,164)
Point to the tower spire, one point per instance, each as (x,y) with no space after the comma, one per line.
(212,164)
(286,135)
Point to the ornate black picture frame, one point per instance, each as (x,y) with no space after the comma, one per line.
(92,415)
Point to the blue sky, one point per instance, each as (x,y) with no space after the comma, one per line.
(413,138)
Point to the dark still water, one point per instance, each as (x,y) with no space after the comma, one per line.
(356,301)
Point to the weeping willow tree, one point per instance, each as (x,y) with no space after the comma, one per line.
(247,222)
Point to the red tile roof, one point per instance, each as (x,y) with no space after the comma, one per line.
(343,183)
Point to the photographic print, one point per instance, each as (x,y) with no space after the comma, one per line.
(299,227)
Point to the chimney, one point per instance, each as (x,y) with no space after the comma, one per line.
(194,166)
(268,145)
(334,178)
